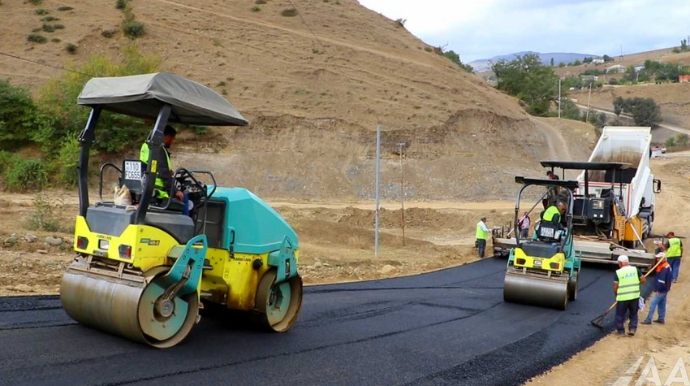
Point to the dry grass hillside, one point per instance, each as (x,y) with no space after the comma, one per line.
(314,93)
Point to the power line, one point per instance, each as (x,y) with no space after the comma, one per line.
(307,24)
(43,64)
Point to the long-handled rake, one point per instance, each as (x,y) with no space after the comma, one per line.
(599,320)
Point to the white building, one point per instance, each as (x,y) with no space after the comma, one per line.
(616,68)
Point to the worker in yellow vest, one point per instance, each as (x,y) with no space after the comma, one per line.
(164,169)
(626,287)
(674,251)
(555,213)
(481,235)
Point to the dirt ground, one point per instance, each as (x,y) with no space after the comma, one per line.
(337,246)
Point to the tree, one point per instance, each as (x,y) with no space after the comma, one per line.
(607,58)
(645,111)
(455,58)
(682,139)
(551,62)
(17,111)
(60,117)
(528,79)
(683,45)
(618,105)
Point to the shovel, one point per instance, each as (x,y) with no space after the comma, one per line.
(599,320)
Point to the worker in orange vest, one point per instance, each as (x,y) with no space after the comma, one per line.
(662,285)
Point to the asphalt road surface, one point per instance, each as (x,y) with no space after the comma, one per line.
(448,327)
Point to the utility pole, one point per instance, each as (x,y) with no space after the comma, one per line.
(402,191)
(588,99)
(559,98)
(378,169)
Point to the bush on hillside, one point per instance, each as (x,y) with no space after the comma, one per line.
(65,8)
(108,33)
(290,12)
(133,29)
(71,48)
(121,4)
(36,38)
(42,11)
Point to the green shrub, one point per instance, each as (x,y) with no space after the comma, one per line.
(256,8)
(26,174)
(120,4)
(71,48)
(36,2)
(133,29)
(199,130)
(65,8)
(43,216)
(6,160)
(50,18)
(48,28)
(108,33)
(260,2)
(67,162)
(36,38)
(55,40)
(290,12)
(42,11)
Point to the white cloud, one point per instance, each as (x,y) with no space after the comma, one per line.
(477,29)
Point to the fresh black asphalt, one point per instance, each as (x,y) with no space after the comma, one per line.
(449,327)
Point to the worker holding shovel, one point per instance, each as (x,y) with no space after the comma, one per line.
(627,289)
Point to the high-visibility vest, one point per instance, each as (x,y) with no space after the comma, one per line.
(159,185)
(481,234)
(673,248)
(550,212)
(628,284)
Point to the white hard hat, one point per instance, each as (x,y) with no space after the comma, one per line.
(623,259)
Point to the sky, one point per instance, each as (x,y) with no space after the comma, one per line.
(482,29)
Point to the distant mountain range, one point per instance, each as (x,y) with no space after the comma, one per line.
(482,65)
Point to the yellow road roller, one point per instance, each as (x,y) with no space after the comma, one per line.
(544,269)
(145,268)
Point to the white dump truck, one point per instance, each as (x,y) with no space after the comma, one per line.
(614,204)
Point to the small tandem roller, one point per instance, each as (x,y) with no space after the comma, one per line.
(144,271)
(544,270)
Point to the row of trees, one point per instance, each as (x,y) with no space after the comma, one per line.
(52,121)
(645,111)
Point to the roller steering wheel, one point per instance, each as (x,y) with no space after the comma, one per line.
(186,182)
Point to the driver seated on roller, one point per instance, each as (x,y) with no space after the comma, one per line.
(553,217)
(164,179)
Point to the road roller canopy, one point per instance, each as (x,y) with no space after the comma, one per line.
(143,96)
(579,165)
(569,184)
